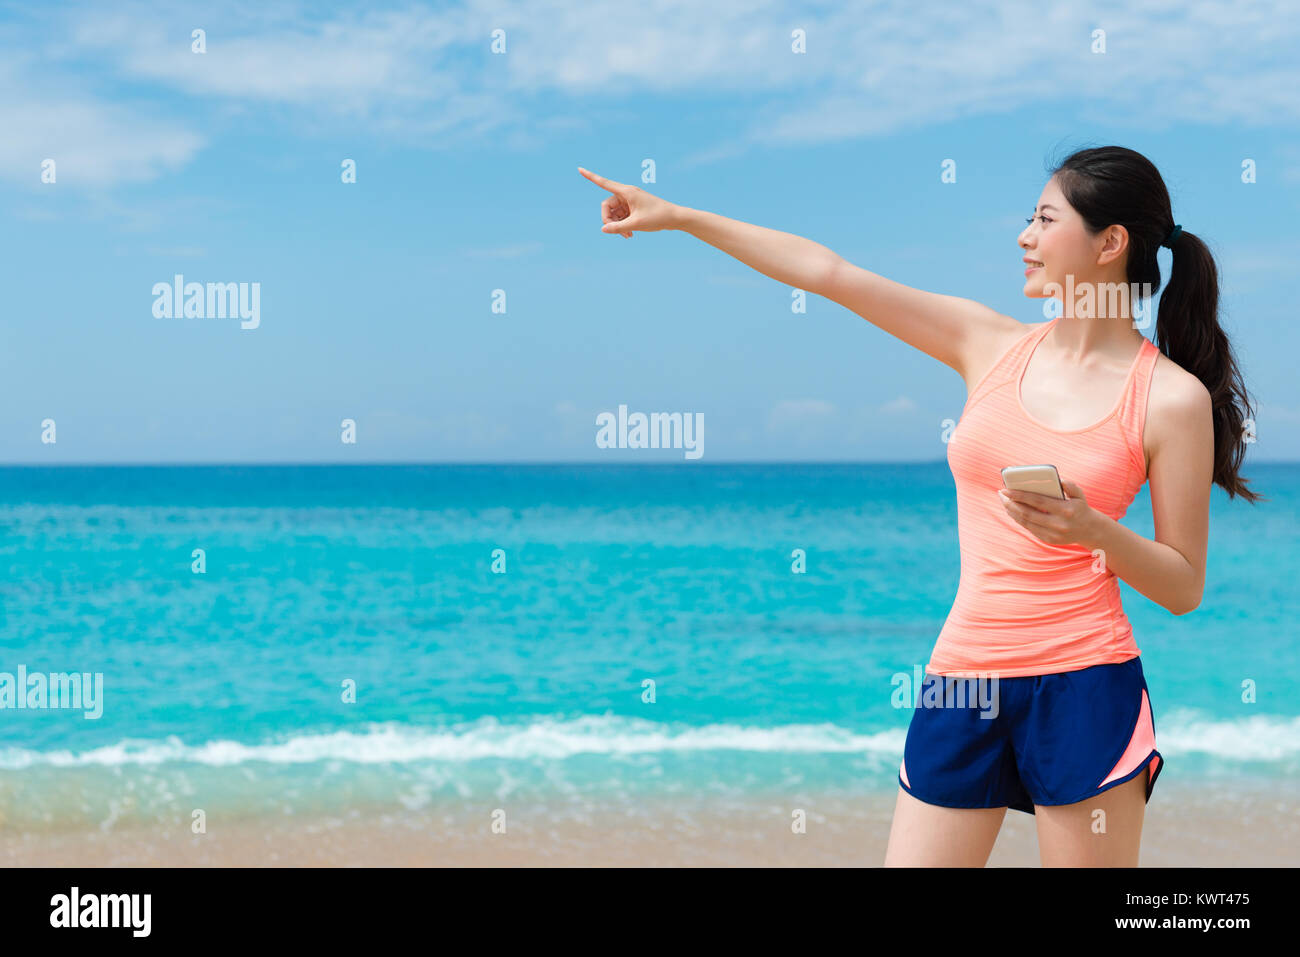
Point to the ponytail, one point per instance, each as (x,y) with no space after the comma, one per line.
(1188,332)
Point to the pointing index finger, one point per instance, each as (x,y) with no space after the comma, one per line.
(599,180)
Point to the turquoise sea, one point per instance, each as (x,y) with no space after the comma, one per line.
(646,634)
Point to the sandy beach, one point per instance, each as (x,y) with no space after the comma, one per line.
(1185,827)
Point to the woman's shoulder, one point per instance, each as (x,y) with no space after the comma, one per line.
(1178,403)
(1174,389)
(998,335)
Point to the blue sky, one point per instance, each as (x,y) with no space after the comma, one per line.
(376,296)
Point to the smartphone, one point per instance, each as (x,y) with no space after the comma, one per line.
(1042,479)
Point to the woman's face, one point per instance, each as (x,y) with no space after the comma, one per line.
(1057,239)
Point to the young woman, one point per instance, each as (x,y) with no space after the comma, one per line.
(1038,603)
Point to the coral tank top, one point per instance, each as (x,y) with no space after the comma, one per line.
(1023,606)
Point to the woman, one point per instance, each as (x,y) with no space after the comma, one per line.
(1038,610)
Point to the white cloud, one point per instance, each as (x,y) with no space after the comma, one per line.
(91,142)
(349,63)
(426,74)
(899,64)
(799,413)
(898,406)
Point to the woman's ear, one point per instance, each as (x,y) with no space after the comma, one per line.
(1114,242)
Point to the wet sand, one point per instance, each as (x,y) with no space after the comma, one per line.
(1185,827)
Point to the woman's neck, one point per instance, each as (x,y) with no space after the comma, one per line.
(1078,337)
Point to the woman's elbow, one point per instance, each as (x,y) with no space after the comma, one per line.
(1189,595)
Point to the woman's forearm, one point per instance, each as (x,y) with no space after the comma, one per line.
(789,259)
(1157,570)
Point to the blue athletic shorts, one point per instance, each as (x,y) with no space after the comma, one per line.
(1037,739)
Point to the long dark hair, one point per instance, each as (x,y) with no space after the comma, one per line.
(1111,185)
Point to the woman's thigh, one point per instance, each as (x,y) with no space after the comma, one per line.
(1103,831)
(926,835)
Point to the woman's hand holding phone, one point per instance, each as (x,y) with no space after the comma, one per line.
(1071,521)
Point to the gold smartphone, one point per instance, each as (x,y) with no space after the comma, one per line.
(1042,479)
